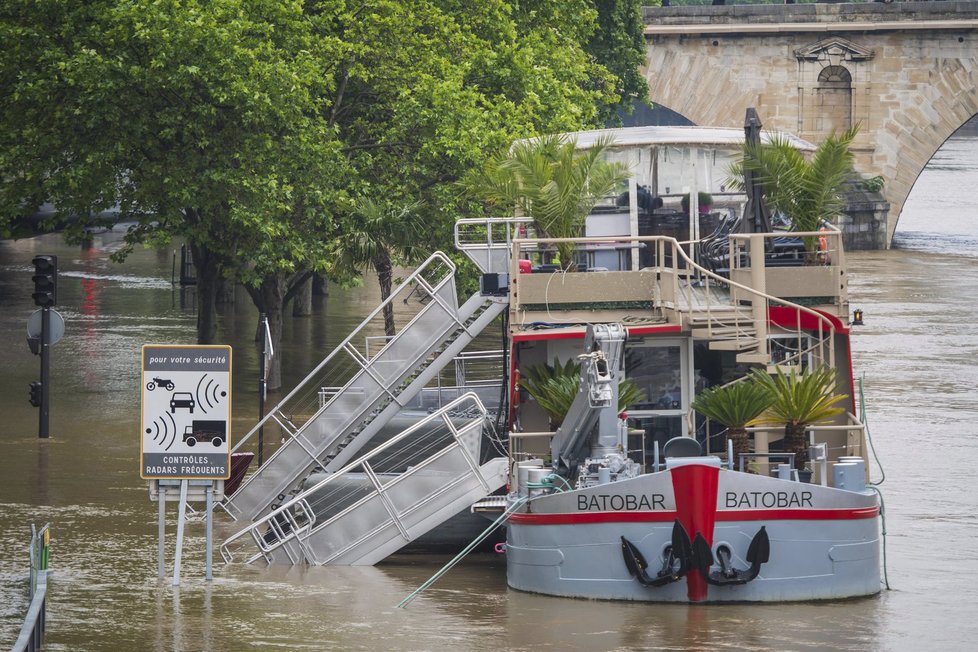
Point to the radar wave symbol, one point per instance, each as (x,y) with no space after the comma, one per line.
(165,431)
(208,390)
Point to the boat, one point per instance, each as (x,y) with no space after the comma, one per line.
(651,503)
(648,502)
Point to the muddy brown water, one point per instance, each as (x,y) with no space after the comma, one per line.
(917,353)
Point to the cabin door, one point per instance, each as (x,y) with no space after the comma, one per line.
(661,370)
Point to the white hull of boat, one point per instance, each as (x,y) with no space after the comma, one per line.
(824,542)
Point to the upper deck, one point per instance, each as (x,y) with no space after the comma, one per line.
(669,244)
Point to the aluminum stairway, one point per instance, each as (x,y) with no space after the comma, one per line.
(383,500)
(372,388)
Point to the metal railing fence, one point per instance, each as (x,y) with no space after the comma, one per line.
(32,632)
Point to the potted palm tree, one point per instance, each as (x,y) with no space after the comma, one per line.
(734,406)
(555,387)
(797,401)
(809,192)
(703,199)
(548,180)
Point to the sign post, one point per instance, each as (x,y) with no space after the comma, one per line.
(186,417)
(267,351)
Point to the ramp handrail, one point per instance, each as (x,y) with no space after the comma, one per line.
(306,521)
(436,258)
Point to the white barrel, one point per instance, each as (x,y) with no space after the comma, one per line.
(850,476)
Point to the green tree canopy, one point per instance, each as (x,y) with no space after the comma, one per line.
(253,128)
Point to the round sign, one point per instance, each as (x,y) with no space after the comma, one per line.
(56,323)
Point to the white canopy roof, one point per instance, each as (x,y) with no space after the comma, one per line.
(721,137)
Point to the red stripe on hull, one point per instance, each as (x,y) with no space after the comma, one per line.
(578,518)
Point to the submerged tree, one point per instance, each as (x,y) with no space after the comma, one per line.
(245,127)
(381,237)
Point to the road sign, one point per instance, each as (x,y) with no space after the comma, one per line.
(57,325)
(186,414)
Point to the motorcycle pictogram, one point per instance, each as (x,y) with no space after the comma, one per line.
(161,382)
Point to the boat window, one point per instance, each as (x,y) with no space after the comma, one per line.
(657,371)
(644,432)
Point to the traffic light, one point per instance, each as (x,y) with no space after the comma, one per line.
(36,388)
(45,280)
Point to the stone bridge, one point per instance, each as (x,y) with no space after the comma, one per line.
(906,72)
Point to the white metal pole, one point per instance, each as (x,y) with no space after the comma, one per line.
(180,519)
(161,496)
(209,570)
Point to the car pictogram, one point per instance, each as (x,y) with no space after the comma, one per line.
(182,400)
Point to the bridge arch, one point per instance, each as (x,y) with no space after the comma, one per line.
(907,73)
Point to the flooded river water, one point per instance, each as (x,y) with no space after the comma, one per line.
(917,351)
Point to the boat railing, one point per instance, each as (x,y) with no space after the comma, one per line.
(487,241)
(672,279)
(433,281)
(815,273)
(845,438)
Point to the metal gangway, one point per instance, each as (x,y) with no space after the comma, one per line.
(397,492)
(374,386)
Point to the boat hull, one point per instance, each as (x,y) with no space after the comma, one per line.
(824,542)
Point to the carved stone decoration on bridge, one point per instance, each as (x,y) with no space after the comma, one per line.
(831,82)
(833,51)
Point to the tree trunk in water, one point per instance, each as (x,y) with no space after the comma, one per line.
(208,275)
(320,285)
(796,442)
(385,276)
(225,291)
(302,301)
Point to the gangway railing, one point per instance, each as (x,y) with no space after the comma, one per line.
(374,387)
(487,241)
(296,403)
(479,371)
(382,500)
(32,632)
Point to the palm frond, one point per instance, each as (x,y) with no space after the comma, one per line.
(551,182)
(808,192)
(555,387)
(734,405)
(799,399)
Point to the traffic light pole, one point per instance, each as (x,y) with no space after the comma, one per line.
(45,295)
(42,426)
